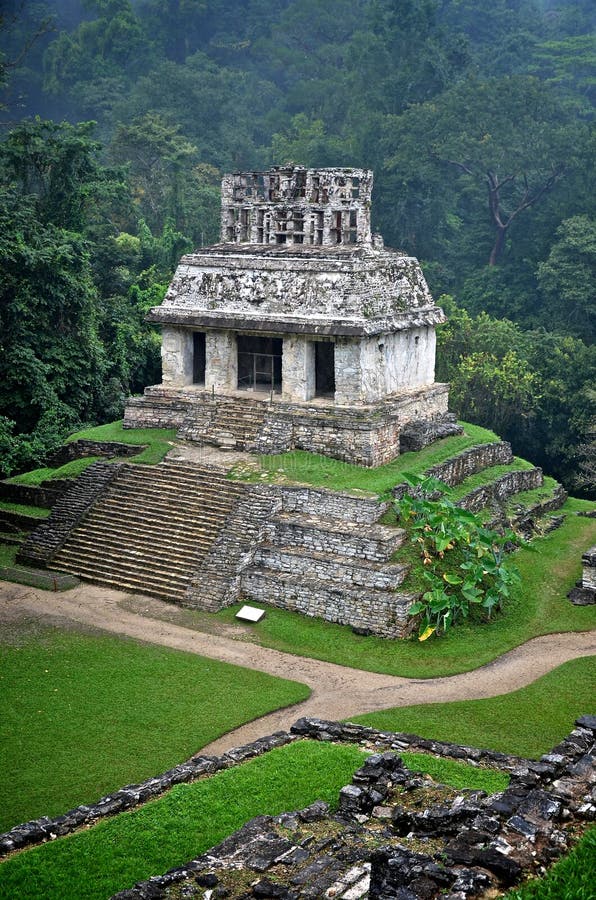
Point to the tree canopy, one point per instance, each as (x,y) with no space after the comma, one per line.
(476,116)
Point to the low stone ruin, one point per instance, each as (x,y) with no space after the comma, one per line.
(398,835)
(584,593)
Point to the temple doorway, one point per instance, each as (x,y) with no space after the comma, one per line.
(324,369)
(198,357)
(259,363)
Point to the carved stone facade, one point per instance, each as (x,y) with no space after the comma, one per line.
(299,307)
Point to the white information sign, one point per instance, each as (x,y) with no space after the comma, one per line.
(250,614)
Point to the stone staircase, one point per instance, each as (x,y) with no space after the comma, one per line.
(230,423)
(151,529)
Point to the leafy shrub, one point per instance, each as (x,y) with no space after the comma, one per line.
(462,559)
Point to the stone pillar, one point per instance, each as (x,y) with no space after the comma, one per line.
(176,356)
(584,593)
(298,369)
(372,367)
(589,569)
(221,369)
(348,372)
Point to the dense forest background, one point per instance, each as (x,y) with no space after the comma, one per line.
(119,117)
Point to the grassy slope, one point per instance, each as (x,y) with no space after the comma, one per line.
(36,512)
(322,471)
(528,722)
(82,715)
(191,818)
(540,606)
(69,470)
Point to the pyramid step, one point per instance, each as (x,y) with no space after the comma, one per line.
(149,517)
(173,492)
(359,573)
(94,534)
(172,575)
(133,586)
(147,556)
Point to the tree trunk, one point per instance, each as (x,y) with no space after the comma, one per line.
(498,246)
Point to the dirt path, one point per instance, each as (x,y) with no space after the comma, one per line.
(338,692)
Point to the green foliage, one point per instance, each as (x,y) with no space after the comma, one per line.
(538,395)
(463,560)
(527,722)
(566,278)
(98,712)
(497,208)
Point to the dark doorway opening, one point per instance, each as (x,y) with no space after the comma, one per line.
(324,369)
(259,363)
(198,357)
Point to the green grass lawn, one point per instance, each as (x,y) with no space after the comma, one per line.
(191,818)
(322,471)
(71,469)
(82,715)
(549,569)
(528,722)
(8,553)
(159,440)
(36,512)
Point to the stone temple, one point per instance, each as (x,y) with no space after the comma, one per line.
(299,330)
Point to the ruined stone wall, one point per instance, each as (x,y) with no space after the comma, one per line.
(331,505)
(497,492)
(396,833)
(365,436)
(382,612)
(85,447)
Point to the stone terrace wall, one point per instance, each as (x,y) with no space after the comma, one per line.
(80,449)
(384,613)
(470,461)
(368,436)
(497,492)
(43,543)
(43,495)
(331,505)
